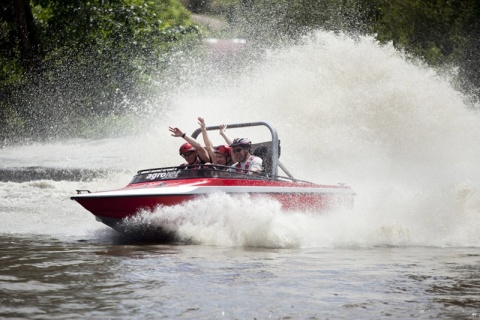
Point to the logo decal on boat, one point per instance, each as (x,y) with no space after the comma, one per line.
(161,175)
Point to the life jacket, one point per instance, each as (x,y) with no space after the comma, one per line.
(198,162)
(247,165)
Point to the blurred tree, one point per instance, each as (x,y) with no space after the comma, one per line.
(470,56)
(25,32)
(94,57)
(441,32)
(432,29)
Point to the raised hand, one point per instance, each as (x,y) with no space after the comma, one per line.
(201,122)
(175,132)
(223,128)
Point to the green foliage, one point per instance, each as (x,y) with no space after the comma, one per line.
(127,24)
(10,66)
(11,69)
(432,29)
(95,58)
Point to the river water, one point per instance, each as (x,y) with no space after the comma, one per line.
(346,111)
(59,278)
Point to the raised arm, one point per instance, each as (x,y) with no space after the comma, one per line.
(202,153)
(206,140)
(223,128)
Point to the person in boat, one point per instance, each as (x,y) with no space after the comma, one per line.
(191,151)
(220,154)
(244,161)
(223,155)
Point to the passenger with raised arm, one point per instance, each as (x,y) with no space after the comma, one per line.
(191,151)
(223,128)
(219,154)
(244,161)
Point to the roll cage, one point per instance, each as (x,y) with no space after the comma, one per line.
(269,151)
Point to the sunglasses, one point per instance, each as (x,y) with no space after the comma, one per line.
(237,150)
(187,154)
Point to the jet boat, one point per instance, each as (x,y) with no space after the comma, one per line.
(170,186)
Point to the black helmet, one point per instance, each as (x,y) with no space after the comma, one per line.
(242,142)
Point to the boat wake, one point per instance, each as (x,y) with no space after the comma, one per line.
(221,219)
(243,221)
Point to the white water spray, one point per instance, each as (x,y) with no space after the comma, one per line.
(347,110)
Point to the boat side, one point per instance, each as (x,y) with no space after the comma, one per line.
(121,203)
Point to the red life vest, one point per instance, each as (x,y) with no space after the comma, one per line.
(247,165)
(198,161)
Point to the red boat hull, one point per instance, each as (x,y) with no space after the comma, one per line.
(112,206)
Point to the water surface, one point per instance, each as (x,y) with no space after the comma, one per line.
(44,277)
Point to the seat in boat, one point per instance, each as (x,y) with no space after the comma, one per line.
(264,151)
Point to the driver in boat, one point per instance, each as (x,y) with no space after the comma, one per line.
(244,161)
(191,151)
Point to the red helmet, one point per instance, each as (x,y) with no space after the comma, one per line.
(186,147)
(223,149)
(242,142)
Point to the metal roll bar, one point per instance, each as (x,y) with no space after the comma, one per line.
(275,142)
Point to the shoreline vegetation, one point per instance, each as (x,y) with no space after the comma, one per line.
(71,68)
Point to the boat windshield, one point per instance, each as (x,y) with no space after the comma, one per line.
(192,172)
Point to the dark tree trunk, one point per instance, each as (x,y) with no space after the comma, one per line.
(26,33)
